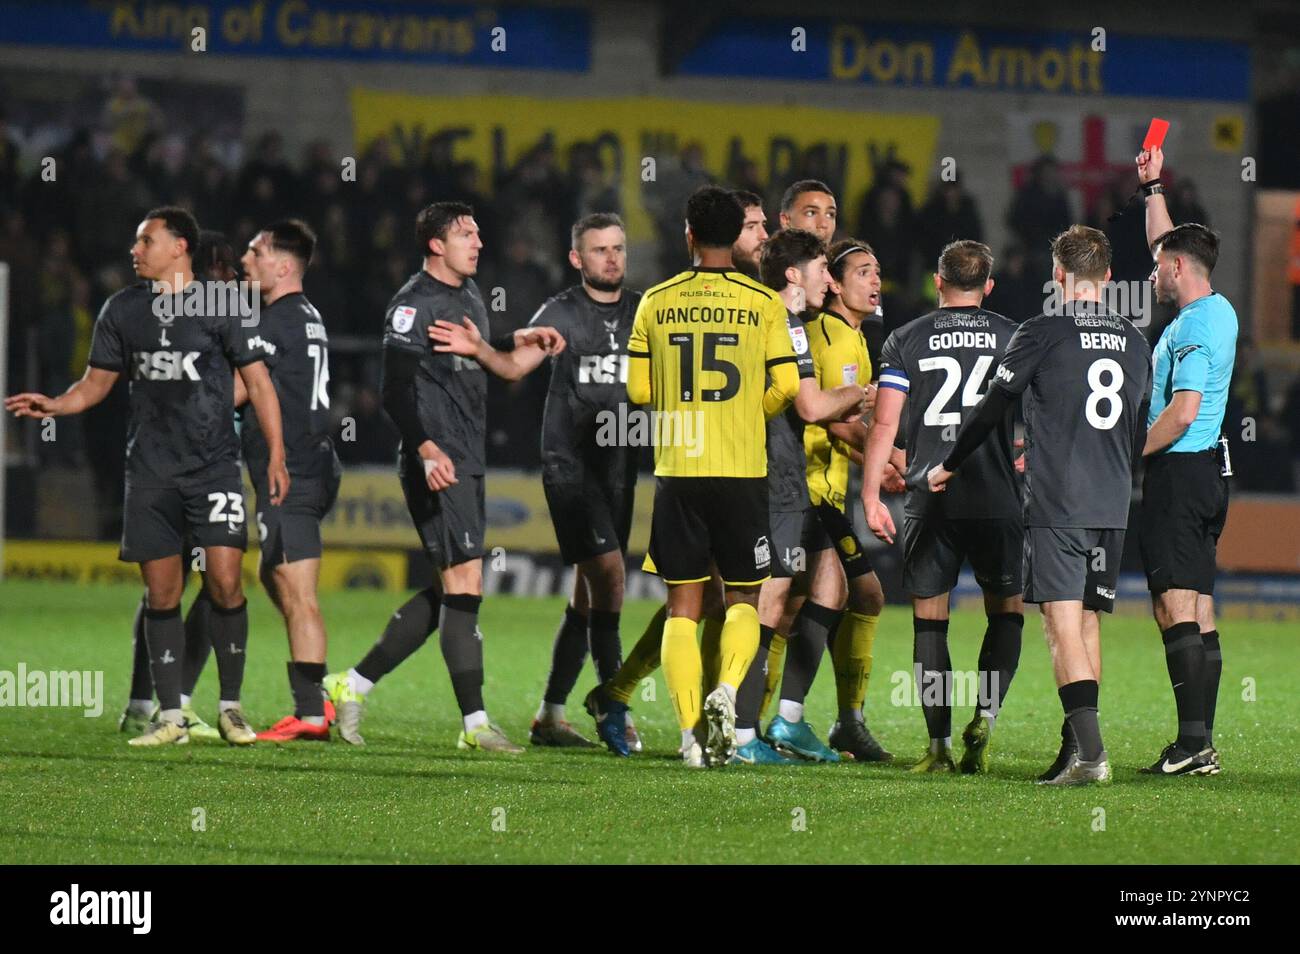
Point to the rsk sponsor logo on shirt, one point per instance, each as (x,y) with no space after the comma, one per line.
(850,373)
(602,369)
(165,366)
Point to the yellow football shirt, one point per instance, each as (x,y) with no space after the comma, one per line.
(839,357)
(709,337)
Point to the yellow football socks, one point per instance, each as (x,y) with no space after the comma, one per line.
(775,660)
(683,669)
(641,661)
(739,643)
(851,656)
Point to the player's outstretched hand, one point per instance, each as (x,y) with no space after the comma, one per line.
(881,522)
(891,481)
(1150,162)
(545,337)
(29,404)
(463,339)
(1020,455)
(869,399)
(277,480)
(439,471)
(938,479)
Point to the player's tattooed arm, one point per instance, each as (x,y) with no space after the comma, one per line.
(261,394)
(86,393)
(467,341)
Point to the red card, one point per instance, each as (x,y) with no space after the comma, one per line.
(1155,134)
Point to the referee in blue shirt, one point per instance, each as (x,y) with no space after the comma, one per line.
(1185,490)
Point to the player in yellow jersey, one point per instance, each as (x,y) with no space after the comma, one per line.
(845,597)
(703,346)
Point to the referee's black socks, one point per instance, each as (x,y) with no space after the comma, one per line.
(1213,671)
(1079,700)
(1185,659)
(407,629)
(462,647)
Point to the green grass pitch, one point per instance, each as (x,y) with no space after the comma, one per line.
(72,792)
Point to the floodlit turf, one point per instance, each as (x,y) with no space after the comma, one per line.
(72,791)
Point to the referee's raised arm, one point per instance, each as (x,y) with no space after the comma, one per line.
(1150,163)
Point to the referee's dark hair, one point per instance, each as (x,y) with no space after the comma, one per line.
(1193,240)
(966,264)
(714,217)
(747,199)
(292,237)
(799,188)
(788,248)
(1083,252)
(596,220)
(435,220)
(180,223)
(837,256)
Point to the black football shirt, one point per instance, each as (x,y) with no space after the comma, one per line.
(943,361)
(290,337)
(180,369)
(450,391)
(1084,375)
(588,384)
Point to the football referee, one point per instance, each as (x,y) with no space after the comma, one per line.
(1185,490)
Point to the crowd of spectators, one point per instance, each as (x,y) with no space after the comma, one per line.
(66,241)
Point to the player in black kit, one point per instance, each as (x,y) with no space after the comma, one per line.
(291,337)
(1085,375)
(938,366)
(182,455)
(589,482)
(437,398)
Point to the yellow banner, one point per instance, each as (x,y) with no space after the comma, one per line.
(78,562)
(370,511)
(495,131)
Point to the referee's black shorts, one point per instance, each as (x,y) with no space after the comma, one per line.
(703,520)
(1184,508)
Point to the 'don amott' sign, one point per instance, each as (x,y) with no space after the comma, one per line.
(1097,62)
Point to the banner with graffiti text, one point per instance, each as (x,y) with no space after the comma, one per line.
(639,140)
